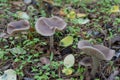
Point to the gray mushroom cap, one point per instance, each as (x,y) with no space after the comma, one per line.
(99,51)
(17,26)
(43,28)
(83,43)
(47,26)
(56,22)
(109,53)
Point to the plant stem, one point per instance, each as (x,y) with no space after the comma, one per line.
(95,66)
(51,44)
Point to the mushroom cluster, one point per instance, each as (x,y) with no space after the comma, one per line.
(47,27)
(97,53)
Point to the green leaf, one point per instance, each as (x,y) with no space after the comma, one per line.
(17,50)
(67,41)
(115,8)
(87,1)
(23,15)
(67,71)
(80,21)
(9,74)
(2,53)
(69,61)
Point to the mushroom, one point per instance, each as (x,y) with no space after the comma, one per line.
(47,27)
(44,60)
(86,62)
(97,53)
(17,26)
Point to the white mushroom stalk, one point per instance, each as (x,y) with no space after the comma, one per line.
(97,53)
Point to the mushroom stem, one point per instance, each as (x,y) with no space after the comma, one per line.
(51,43)
(95,66)
(20,39)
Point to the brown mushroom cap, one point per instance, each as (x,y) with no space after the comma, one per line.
(17,26)
(47,26)
(86,61)
(98,51)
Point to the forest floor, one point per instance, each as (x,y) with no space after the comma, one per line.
(29,54)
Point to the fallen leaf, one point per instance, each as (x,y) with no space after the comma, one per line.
(69,61)
(9,74)
(67,41)
(23,15)
(87,1)
(49,1)
(28,78)
(80,21)
(62,13)
(67,71)
(17,50)
(79,15)
(71,15)
(115,9)
(16,3)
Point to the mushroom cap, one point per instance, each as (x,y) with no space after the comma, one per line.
(43,28)
(44,60)
(56,22)
(86,61)
(47,26)
(83,43)
(109,53)
(98,51)
(17,26)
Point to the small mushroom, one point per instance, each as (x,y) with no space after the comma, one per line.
(47,27)
(87,63)
(17,26)
(43,28)
(97,53)
(44,60)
